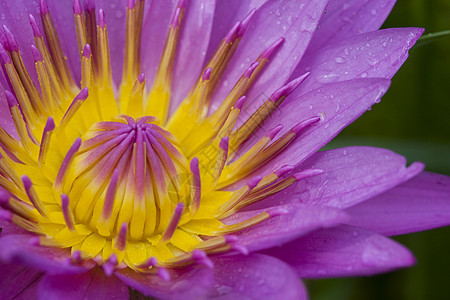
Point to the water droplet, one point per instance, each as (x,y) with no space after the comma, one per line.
(310,106)
(363,74)
(339,60)
(373,12)
(384,44)
(346,51)
(324,11)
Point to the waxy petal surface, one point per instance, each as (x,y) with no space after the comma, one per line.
(20,248)
(296,220)
(343,251)
(352,175)
(344,18)
(92,285)
(18,281)
(421,203)
(188,283)
(256,277)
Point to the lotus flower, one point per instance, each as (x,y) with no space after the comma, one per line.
(181,159)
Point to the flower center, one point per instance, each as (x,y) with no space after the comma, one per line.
(127,173)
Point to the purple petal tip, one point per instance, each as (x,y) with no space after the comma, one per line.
(231,35)
(307,173)
(284,170)
(87,51)
(240,102)
(83,94)
(131,4)
(43,7)
(12,43)
(224,143)
(4,55)
(248,73)
(36,54)
(271,49)
(206,74)
(274,131)
(77,7)
(34,26)
(163,274)
(101,18)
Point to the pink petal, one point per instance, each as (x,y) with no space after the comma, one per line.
(345,18)
(21,248)
(256,277)
(192,46)
(289,222)
(343,251)
(377,54)
(189,283)
(421,203)
(296,21)
(92,285)
(352,175)
(18,281)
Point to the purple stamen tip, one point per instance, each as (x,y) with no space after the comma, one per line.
(201,257)
(271,49)
(244,24)
(50,125)
(231,35)
(87,52)
(224,142)
(34,26)
(76,256)
(77,7)
(152,261)
(240,248)
(101,18)
(163,274)
(248,73)
(252,183)
(12,43)
(194,165)
(89,5)
(179,208)
(304,124)
(26,182)
(176,18)
(12,101)
(274,131)
(131,4)
(141,78)
(283,170)
(43,7)
(231,238)
(4,55)
(3,39)
(36,54)
(279,93)
(307,173)
(240,102)
(82,95)
(296,82)
(206,74)
(277,211)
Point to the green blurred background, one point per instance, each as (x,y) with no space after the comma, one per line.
(413,119)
